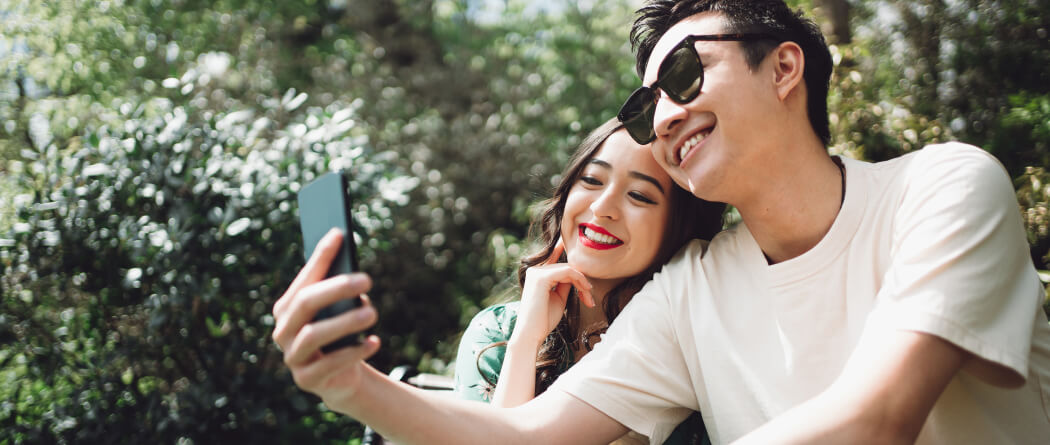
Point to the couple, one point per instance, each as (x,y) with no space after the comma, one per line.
(856,303)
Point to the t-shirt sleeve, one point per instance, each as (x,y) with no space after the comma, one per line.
(960,266)
(476,377)
(637,374)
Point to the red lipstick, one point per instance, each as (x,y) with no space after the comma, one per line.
(587,242)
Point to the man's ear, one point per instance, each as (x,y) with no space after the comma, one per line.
(788,66)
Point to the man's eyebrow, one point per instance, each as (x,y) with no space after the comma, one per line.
(632,173)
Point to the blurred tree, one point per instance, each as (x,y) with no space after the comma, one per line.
(143,317)
(837,14)
(150,148)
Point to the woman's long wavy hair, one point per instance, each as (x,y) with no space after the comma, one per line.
(690,218)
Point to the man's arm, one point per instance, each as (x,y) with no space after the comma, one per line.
(409,415)
(883,396)
(349,385)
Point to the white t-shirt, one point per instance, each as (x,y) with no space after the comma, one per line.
(930,242)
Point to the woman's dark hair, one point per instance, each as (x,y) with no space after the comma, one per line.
(690,218)
(772,17)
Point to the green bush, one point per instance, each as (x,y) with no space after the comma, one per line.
(141,269)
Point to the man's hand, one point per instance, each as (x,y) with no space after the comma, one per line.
(406,414)
(335,377)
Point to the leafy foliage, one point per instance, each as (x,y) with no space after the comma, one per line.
(152,148)
(142,270)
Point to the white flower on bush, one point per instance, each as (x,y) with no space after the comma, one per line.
(396,189)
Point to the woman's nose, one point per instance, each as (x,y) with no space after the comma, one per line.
(606,205)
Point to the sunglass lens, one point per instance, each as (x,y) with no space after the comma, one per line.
(636,114)
(681,75)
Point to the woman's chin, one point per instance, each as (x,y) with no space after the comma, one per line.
(595,270)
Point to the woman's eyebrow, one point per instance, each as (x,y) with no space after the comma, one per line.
(645,177)
(600,163)
(632,173)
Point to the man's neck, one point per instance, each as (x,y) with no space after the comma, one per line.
(795,205)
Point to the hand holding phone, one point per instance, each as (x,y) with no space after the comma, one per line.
(323,205)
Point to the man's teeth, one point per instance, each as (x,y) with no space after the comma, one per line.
(599,237)
(688,145)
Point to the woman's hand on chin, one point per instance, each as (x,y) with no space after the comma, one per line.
(544,295)
(334,376)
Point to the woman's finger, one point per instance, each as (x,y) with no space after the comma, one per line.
(314,270)
(553,276)
(559,249)
(586,297)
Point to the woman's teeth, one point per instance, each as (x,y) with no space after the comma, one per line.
(599,237)
(689,143)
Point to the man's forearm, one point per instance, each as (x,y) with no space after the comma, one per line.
(884,394)
(823,420)
(409,415)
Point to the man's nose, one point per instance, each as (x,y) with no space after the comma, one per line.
(667,116)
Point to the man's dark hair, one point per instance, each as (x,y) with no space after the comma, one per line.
(751,16)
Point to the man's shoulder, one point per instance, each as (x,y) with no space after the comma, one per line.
(689,253)
(693,253)
(936,169)
(943,157)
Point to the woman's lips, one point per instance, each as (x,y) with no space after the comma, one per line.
(595,237)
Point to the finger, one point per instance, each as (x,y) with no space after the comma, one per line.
(561,291)
(314,270)
(559,249)
(313,336)
(572,276)
(312,299)
(586,297)
(583,287)
(584,294)
(304,306)
(314,376)
(557,273)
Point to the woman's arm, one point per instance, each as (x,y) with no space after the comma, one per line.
(543,298)
(517,377)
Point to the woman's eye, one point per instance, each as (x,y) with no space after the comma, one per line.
(641,197)
(590,180)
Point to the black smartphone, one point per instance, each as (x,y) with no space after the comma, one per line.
(324,204)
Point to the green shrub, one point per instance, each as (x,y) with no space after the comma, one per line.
(141,269)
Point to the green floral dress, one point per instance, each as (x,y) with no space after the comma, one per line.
(476,376)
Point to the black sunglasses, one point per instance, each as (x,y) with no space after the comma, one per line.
(681,76)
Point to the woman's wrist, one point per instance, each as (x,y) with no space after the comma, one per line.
(518,345)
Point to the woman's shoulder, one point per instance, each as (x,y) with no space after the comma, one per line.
(480,355)
(494,323)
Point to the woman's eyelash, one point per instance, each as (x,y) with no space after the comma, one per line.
(590,180)
(642,198)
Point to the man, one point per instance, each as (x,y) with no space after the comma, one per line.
(857,303)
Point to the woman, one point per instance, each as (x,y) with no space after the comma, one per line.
(614,220)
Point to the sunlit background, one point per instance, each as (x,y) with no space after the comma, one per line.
(150,151)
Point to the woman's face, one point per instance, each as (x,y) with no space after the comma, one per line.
(616,211)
